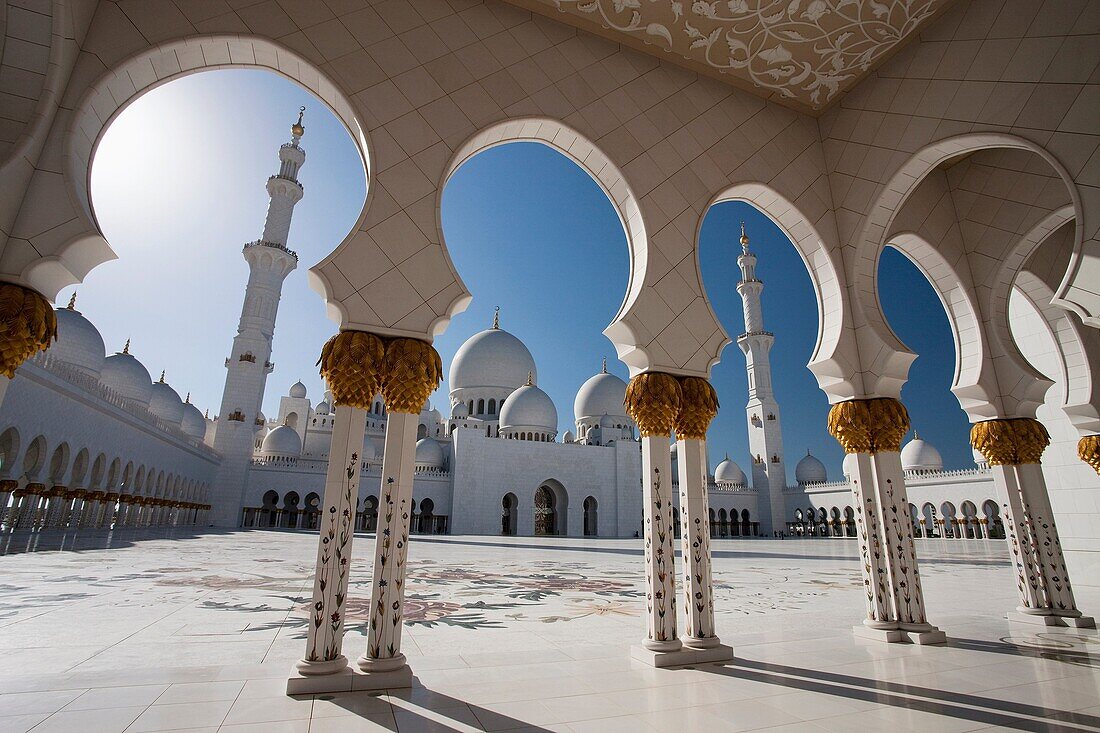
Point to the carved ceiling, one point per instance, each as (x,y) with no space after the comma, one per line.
(802,53)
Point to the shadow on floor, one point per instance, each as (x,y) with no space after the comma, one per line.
(989,711)
(420,708)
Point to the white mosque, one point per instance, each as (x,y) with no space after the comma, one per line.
(88,439)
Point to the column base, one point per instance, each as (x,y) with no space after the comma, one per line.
(719,653)
(348,679)
(1050,619)
(924,634)
(890,636)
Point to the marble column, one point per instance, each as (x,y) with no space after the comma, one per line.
(89,510)
(698,406)
(352,367)
(1013,448)
(56,504)
(653,402)
(873,429)
(412,371)
(7,486)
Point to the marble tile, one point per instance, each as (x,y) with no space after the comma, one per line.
(520,634)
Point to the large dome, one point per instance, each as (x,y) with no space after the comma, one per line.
(127,376)
(429,453)
(193,423)
(529,408)
(729,472)
(492,358)
(810,471)
(602,394)
(919,455)
(282,442)
(165,403)
(78,342)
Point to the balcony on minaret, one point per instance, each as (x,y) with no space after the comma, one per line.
(273,245)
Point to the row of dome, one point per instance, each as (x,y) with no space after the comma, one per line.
(80,345)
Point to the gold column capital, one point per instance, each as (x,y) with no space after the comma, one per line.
(653,402)
(1010,441)
(872,425)
(28,324)
(698,406)
(351,365)
(412,371)
(1088,450)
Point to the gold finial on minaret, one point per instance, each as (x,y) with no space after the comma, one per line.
(206,414)
(126,348)
(72,302)
(496,318)
(530,379)
(298,129)
(744,238)
(161,376)
(187,399)
(603,369)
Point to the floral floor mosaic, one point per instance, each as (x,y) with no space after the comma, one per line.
(126,610)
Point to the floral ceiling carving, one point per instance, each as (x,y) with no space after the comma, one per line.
(804,53)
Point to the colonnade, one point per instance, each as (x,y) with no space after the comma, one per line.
(34,507)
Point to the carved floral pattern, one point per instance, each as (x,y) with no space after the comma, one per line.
(803,50)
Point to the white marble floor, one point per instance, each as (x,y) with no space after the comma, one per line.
(167,630)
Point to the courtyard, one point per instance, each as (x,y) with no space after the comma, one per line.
(170,630)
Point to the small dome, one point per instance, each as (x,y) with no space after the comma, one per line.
(193,423)
(602,394)
(810,471)
(729,472)
(460,411)
(78,342)
(282,442)
(127,376)
(298,390)
(165,403)
(529,408)
(607,421)
(323,408)
(429,453)
(568,437)
(492,358)
(849,465)
(919,455)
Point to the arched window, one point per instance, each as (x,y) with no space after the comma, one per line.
(481,407)
(471,407)
(492,407)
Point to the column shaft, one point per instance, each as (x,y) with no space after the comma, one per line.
(325,638)
(660,573)
(1045,530)
(876,580)
(391,546)
(1021,543)
(695,544)
(897,528)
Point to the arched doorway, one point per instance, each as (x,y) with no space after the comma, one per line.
(427,517)
(591,521)
(551,509)
(370,514)
(509,514)
(268,512)
(313,510)
(290,509)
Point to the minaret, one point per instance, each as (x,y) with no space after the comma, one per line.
(269,262)
(769,476)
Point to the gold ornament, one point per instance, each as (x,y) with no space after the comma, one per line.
(889,424)
(698,406)
(850,423)
(1010,441)
(872,425)
(653,401)
(1088,450)
(413,370)
(28,325)
(351,365)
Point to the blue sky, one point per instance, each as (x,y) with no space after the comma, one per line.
(178,187)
